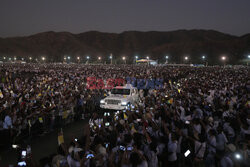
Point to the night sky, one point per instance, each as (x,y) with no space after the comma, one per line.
(26,17)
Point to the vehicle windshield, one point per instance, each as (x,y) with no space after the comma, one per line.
(120,91)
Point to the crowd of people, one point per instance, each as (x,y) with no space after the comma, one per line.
(199,117)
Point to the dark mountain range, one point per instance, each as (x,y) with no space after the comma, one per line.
(176,44)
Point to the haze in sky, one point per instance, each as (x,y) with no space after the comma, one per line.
(26,17)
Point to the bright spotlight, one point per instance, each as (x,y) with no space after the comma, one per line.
(99,58)
(68,57)
(30,58)
(223,58)
(87,57)
(203,57)
(14,58)
(43,58)
(136,57)
(123,58)
(238,156)
(248,56)
(166,57)
(147,57)
(186,58)
(110,57)
(4,58)
(78,58)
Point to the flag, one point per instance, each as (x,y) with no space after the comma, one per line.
(40,119)
(60,139)
(133,130)
(29,123)
(179,90)
(64,115)
(125,116)
(1,94)
(170,101)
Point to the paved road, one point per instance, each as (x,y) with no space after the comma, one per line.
(45,145)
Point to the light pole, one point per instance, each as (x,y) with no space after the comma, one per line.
(87,62)
(43,59)
(111,58)
(204,60)
(148,59)
(166,59)
(223,58)
(248,59)
(186,58)
(124,59)
(136,58)
(99,59)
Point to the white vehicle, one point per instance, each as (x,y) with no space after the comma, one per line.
(120,98)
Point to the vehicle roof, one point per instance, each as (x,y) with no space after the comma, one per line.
(127,86)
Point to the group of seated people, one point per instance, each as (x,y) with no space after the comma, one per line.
(200,116)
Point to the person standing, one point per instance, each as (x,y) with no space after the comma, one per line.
(7,128)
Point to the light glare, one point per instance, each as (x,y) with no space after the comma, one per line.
(237,156)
